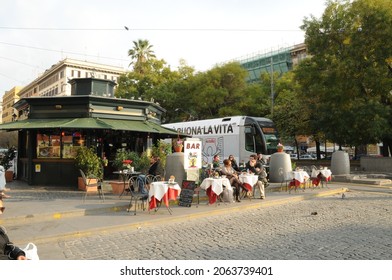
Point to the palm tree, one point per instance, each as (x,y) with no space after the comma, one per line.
(141,53)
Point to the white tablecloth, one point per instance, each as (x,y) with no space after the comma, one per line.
(248,179)
(159,189)
(300,176)
(216,184)
(327,173)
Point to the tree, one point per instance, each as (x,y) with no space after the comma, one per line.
(351,48)
(141,54)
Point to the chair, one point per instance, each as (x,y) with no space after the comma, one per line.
(136,195)
(283,179)
(92,184)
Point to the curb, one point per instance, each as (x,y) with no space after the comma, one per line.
(179,218)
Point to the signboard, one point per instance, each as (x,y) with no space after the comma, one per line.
(192,154)
(186,195)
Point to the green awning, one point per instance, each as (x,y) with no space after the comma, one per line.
(91,123)
(163,130)
(88,123)
(128,125)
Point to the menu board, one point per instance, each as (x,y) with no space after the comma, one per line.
(187,192)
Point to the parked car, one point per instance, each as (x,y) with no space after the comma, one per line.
(307,156)
(293,156)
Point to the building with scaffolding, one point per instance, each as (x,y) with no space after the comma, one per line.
(280,60)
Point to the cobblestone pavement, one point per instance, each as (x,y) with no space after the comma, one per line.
(356,227)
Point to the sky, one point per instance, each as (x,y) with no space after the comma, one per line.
(35,34)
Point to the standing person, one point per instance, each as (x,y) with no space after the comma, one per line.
(8,251)
(255,167)
(263,175)
(232,175)
(2,183)
(234,163)
(260,159)
(155,169)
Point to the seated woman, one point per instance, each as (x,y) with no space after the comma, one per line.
(232,175)
(234,163)
(155,169)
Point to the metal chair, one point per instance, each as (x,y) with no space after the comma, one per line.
(283,179)
(136,196)
(92,184)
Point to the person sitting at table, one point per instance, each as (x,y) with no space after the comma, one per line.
(256,168)
(155,169)
(216,162)
(234,163)
(232,175)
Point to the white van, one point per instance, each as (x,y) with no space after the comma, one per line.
(239,136)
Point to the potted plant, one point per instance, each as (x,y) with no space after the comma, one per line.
(90,163)
(6,162)
(178,144)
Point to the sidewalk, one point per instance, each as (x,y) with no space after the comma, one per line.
(39,214)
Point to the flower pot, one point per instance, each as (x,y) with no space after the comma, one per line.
(178,149)
(82,186)
(9,175)
(118,186)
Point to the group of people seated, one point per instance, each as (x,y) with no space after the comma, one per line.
(231,170)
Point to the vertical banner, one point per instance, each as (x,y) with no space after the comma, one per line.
(192,154)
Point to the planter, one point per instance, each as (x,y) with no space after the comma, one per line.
(118,186)
(9,176)
(178,149)
(82,186)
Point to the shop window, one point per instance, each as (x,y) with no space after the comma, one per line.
(64,145)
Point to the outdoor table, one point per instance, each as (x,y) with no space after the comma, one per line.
(318,174)
(248,180)
(125,175)
(298,177)
(165,191)
(214,187)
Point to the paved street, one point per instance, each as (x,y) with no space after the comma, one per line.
(356,227)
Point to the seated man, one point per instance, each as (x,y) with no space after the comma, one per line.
(155,169)
(256,168)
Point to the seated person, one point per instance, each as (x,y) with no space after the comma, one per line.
(232,175)
(8,251)
(234,163)
(216,162)
(260,159)
(256,168)
(155,169)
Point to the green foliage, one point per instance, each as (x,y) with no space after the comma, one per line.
(89,162)
(8,157)
(349,74)
(162,149)
(121,155)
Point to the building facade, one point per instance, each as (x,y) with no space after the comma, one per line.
(9,99)
(54,81)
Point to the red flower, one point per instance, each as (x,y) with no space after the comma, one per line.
(127,161)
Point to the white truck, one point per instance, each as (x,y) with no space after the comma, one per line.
(239,136)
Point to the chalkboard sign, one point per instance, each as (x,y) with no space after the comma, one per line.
(186,195)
